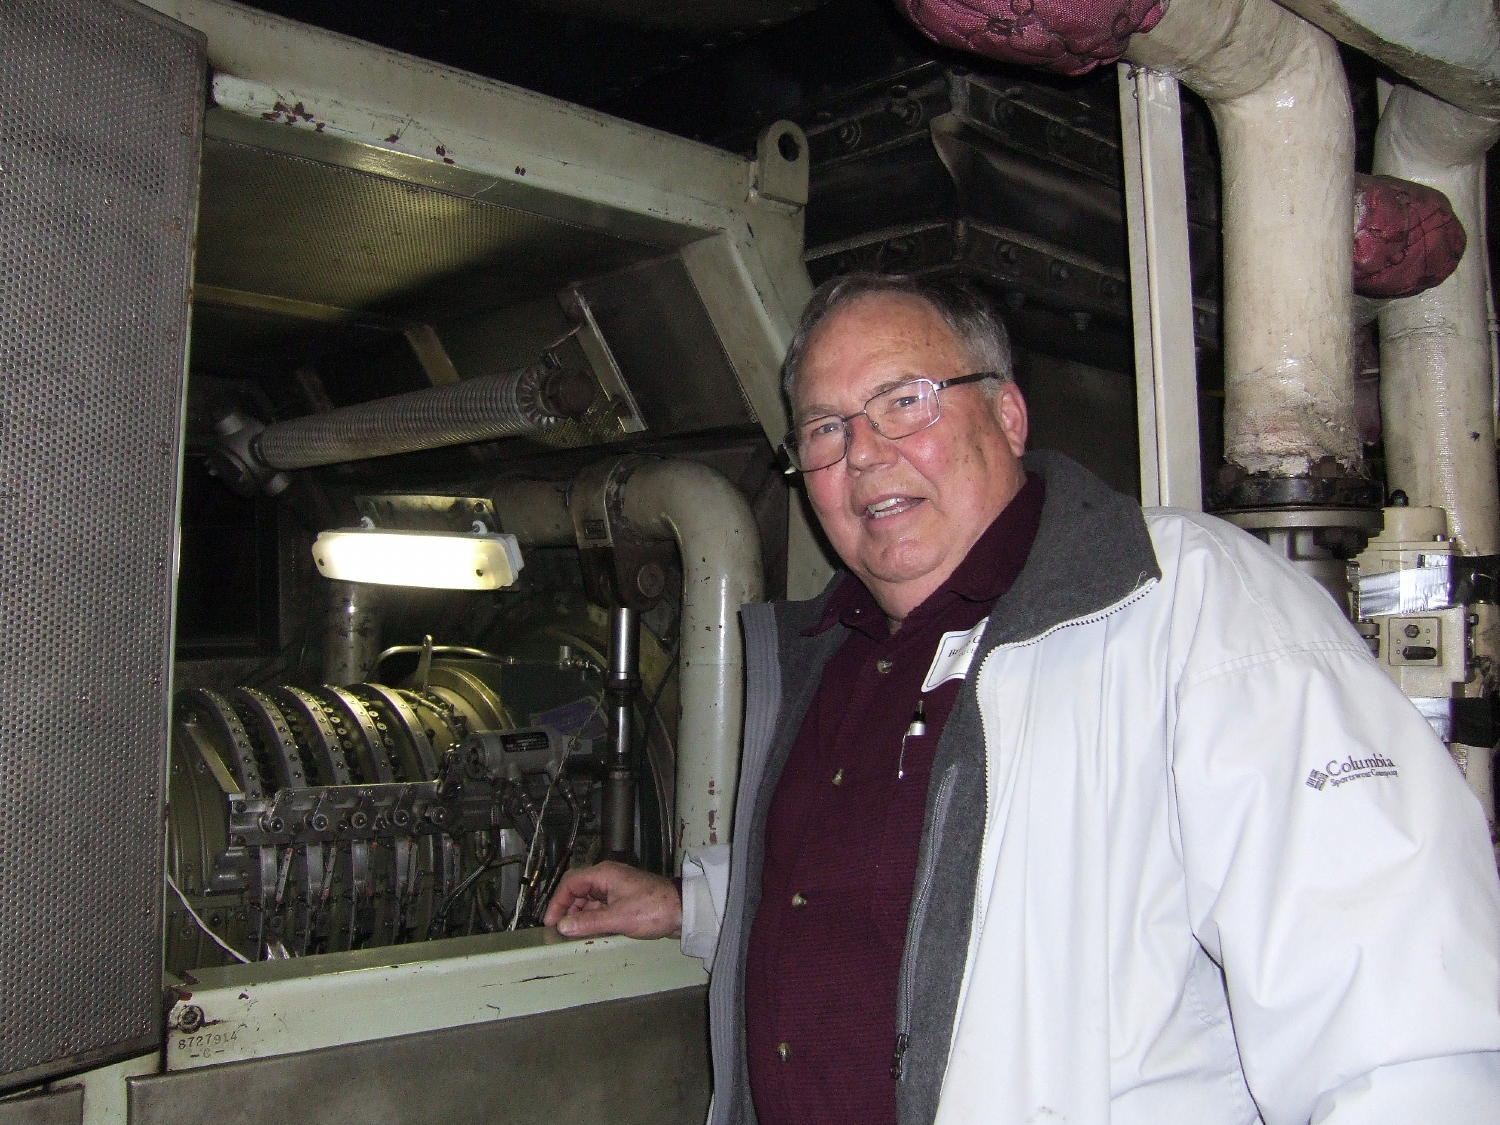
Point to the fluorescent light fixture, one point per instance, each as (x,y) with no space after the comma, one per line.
(445,560)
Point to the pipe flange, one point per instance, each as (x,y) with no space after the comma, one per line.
(1237,490)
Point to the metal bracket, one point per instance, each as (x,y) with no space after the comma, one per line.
(425,512)
(601,360)
(618,568)
(781,164)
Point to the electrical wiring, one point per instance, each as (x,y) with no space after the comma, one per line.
(204,926)
(457,892)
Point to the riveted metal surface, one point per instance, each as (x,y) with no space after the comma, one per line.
(98,175)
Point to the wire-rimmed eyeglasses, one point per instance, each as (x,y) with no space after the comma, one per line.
(896,412)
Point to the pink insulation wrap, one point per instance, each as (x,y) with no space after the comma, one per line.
(1406,237)
(1066,36)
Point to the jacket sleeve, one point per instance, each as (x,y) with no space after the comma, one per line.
(1341,874)
(705,883)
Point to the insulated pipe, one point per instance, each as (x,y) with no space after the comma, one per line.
(509,404)
(1276,90)
(1449,47)
(1436,381)
(720,548)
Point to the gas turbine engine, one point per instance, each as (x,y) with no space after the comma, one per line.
(315,819)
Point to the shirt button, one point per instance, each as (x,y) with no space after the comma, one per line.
(799,899)
(783,1051)
(838,776)
(883,666)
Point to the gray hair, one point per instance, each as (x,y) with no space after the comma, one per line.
(973,323)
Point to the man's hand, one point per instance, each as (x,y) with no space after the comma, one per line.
(612,898)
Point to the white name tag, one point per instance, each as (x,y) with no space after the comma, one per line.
(955,651)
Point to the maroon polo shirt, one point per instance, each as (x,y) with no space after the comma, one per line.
(841,844)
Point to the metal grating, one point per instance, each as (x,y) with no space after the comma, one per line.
(100,115)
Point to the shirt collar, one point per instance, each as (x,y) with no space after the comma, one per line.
(987,571)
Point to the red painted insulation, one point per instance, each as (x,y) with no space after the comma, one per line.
(1066,36)
(1406,237)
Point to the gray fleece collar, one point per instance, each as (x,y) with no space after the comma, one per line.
(1091,549)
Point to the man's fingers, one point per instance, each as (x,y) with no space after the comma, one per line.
(587,923)
(578,890)
(564,902)
(611,898)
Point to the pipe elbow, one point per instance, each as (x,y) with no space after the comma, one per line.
(711,521)
(1230,50)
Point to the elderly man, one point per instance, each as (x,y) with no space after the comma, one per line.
(1029,825)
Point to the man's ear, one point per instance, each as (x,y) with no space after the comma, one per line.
(1009,406)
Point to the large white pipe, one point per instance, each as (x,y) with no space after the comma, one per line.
(1446,46)
(720,548)
(1436,380)
(1276,90)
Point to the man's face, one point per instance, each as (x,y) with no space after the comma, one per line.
(903,514)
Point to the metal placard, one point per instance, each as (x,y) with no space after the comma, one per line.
(100,122)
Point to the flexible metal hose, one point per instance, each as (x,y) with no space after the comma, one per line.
(509,404)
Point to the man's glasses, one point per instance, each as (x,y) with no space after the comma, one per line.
(894,413)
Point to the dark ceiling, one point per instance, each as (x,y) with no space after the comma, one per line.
(703,69)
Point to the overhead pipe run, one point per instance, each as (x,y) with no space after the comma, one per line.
(1448,47)
(719,545)
(1275,87)
(1437,387)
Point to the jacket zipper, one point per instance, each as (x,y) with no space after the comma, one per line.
(920,894)
(923,888)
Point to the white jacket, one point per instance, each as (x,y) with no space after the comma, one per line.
(1225,874)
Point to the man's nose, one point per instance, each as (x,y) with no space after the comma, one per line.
(867,448)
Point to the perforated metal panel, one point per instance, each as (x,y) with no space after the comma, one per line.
(100,115)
